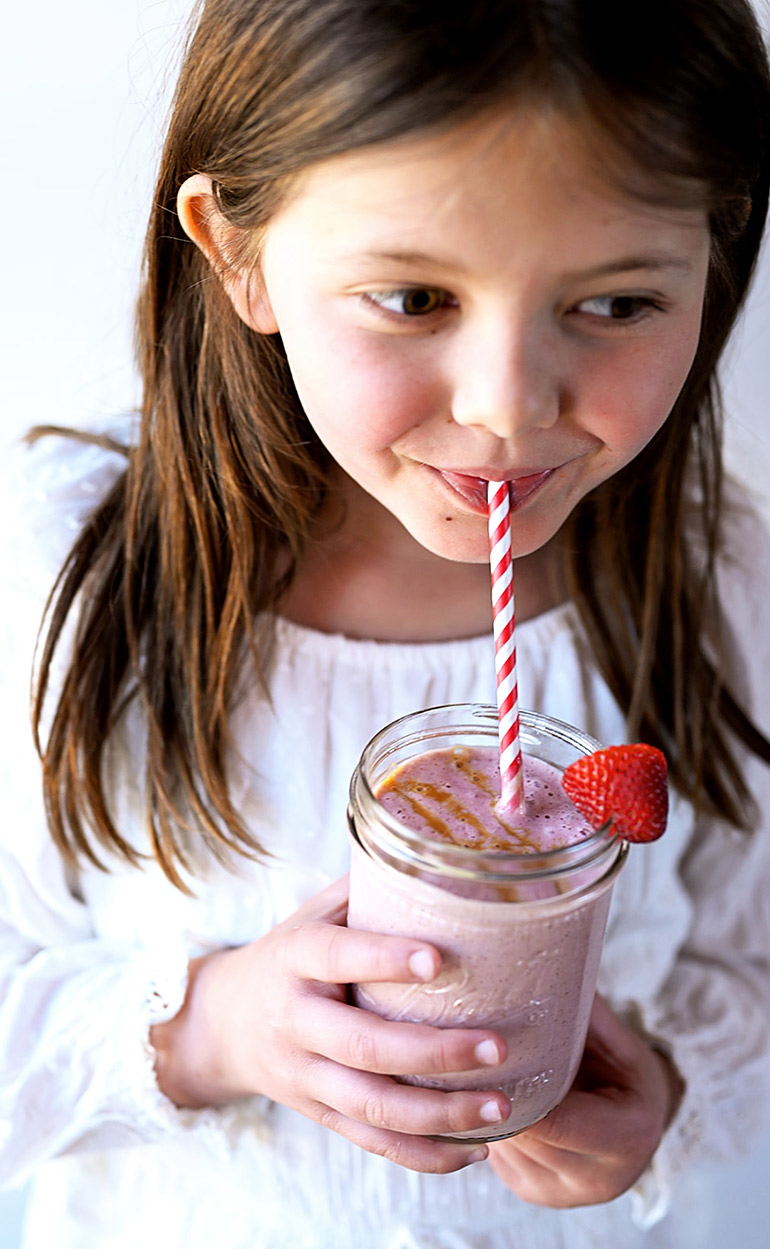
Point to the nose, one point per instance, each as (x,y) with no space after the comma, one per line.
(508,380)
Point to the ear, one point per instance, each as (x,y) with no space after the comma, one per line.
(205,224)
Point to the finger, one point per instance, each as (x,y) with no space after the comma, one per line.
(521,1172)
(336,955)
(384,1103)
(418,1153)
(604,1124)
(543,1185)
(331,904)
(547,1163)
(357,1038)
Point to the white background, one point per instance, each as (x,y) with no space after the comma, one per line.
(83,84)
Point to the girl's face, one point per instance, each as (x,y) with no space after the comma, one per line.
(480,305)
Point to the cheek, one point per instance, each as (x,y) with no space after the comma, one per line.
(350,387)
(632,402)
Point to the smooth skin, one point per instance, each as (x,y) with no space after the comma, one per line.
(454,308)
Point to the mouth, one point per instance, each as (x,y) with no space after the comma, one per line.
(473,488)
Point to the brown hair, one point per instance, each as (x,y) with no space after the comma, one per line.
(196,541)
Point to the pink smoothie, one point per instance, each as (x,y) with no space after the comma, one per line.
(452,794)
(524,964)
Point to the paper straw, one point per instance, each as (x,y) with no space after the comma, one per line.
(504,622)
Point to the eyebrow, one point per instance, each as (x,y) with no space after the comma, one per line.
(655,262)
(634,263)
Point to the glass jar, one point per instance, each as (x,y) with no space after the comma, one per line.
(520,932)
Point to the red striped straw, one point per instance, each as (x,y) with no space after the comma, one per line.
(504,621)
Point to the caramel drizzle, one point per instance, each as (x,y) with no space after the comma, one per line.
(410,790)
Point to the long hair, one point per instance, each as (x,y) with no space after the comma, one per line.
(176,574)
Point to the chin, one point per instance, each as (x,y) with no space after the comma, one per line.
(453,541)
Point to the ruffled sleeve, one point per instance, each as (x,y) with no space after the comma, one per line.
(76,1069)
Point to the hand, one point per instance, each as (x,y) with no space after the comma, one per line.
(272,1017)
(601,1138)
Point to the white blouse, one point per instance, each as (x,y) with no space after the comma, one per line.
(86,968)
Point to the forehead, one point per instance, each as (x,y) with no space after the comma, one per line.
(522,163)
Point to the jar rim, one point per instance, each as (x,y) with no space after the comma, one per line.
(499,866)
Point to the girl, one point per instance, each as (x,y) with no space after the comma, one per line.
(394,253)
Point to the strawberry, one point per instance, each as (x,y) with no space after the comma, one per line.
(626,784)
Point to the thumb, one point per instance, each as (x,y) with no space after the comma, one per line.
(610,1040)
(616,1052)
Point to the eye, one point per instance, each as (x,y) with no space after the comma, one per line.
(410,301)
(617,307)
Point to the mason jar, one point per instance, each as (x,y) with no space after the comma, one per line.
(520,931)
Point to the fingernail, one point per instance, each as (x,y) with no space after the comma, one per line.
(478,1155)
(490,1112)
(421,965)
(487,1053)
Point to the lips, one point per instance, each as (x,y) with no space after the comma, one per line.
(473,488)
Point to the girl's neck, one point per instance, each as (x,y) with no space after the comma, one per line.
(375,581)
